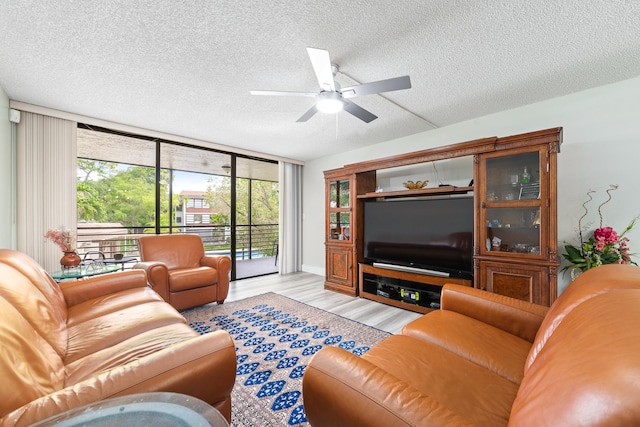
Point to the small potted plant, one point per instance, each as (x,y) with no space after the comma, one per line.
(65,240)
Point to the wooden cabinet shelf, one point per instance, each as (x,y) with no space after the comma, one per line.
(435,191)
(511,204)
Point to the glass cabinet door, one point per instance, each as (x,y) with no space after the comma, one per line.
(339,193)
(340,225)
(512,211)
(339,210)
(513,230)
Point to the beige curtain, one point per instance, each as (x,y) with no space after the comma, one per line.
(290,249)
(46,184)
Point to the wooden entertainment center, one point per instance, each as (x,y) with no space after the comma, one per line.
(514,231)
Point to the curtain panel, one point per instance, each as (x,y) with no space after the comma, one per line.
(46,184)
(290,241)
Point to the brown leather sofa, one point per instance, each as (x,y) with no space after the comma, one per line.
(178,269)
(70,344)
(488,360)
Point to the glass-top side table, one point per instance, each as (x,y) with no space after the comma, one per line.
(83,271)
(157,409)
(120,261)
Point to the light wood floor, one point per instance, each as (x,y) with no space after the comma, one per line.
(309,289)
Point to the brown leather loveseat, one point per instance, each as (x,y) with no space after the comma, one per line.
(488,360)
(178,269)
(70,344)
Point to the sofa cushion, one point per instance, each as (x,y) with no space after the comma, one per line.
(29,367)
(38,278)
(588,373)
(456,382)
(110,329)
(594,282)
(190,278)
(34,305)
(127,351)
(494,349)
(110,303)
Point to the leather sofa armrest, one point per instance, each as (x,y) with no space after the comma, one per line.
(222,264)
(342,389)
(517,317)
(78,291)
(157,276)
(203,367)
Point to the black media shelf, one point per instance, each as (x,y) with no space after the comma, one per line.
(408,290)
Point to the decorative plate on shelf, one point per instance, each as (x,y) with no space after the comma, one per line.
(415,185)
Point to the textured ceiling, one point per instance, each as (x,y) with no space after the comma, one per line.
(186,67)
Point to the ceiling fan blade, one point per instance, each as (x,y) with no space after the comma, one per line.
(310,112)
(280,93)
(359,112)
(388,85)
(321,63)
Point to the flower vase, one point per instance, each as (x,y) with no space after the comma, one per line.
(70,259)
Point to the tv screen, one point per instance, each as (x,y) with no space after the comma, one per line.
(430,233)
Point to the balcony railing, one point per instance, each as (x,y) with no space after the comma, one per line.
(252,241)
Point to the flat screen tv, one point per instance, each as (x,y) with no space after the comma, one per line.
(428,233)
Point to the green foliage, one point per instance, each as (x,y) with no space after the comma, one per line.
(89,206)
(264,206)
(218,197)
(125,196)
(108,192)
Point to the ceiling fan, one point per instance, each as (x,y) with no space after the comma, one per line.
(331,97)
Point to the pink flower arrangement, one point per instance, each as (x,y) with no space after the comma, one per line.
(62,238)
(605,236)
(605,247)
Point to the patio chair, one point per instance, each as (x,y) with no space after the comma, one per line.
(179,270)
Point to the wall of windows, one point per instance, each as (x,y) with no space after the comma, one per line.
(131,185)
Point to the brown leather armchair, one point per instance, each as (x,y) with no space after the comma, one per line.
(178,269)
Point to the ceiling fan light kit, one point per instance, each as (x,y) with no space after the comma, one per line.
(331,98)
(329,102)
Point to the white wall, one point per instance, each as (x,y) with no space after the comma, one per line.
(601,146)
(6,172)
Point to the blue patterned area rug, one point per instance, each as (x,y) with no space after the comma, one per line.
(275,338)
